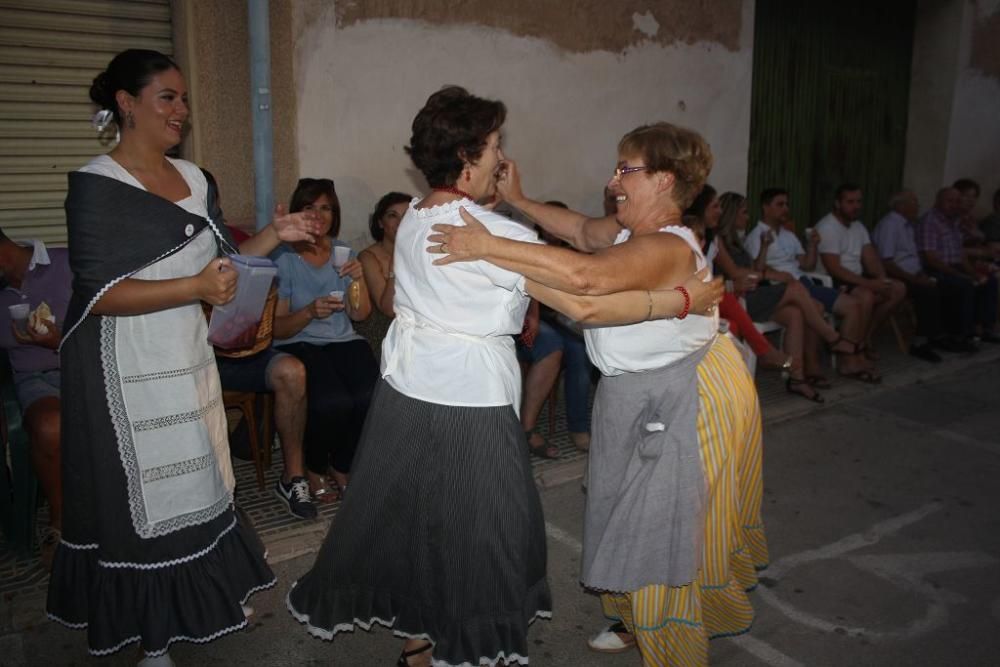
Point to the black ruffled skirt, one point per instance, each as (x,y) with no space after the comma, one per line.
(440,537)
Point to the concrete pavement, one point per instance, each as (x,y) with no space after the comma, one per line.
(881,513)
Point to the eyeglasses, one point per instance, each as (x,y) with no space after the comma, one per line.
(623,170)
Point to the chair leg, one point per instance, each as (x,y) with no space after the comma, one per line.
(247,407)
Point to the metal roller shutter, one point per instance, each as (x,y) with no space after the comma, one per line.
(50,52)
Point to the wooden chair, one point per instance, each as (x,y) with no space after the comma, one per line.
(261,428)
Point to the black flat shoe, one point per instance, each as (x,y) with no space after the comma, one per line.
(406,655)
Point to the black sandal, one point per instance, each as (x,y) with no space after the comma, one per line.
(792,382)
(856,348)
(405,655)
(546,450)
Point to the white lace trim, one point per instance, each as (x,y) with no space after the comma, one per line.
(328,635)
(153,654)
(75,626)
(71,545)
(168,563)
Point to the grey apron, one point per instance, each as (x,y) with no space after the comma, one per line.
(644,521)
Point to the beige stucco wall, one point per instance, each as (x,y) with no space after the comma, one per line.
(574,80)
(954,105)
(213,47)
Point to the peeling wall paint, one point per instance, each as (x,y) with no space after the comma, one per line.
(361,78)
(576,27)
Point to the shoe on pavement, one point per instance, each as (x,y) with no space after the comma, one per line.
(613,639)
(925,353)
(295,495)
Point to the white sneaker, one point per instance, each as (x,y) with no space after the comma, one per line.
(609,640)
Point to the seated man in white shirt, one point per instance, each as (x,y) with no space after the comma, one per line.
(847,254)
(788,261)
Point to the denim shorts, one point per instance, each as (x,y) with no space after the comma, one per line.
(546,342)
(825,295)
(34,385)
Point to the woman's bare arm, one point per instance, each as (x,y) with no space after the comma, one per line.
(633,305)
(580,231)
(215,284)
(644,262)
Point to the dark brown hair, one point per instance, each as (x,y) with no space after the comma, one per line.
(387,200)
(450,130)
(308,191)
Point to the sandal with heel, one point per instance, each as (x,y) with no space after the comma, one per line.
(545,450)
(792,382)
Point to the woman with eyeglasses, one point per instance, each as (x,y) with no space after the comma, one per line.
(376,261)
(442,536)
(672,530)
(321,291)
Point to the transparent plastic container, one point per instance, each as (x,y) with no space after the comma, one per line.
(235,324)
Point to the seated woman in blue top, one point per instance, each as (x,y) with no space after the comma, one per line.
(316,303)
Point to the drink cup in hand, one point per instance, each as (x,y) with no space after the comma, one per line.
(341,254)
(752,281)
(19,316)
(337,294)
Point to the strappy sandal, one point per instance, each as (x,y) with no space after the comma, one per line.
(325,495)
(406,655)
(819,382)
(546,450)
(864,375)
(856,348)
(791,383)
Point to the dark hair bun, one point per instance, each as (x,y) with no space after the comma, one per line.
(101,93)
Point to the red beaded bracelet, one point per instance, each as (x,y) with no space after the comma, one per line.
(687,302)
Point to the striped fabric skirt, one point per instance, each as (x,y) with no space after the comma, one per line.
(672,625)
(441,536)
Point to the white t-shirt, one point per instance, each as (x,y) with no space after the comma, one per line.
(782,255)
(846,242)
(450,342)
(650,345)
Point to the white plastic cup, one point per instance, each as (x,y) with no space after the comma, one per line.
(341,254)
(19,316)
(337,294)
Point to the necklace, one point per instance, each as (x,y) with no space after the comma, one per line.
(455,191)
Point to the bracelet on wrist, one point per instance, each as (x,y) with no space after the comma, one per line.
(687,301)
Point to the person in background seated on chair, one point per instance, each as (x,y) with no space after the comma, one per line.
(30,274)
(939,239)
(895,240)
(847,254)
(990,225)
(577,369)
(285,376)
(541,348)
(779,251)
(788,304)
(376,261)
(313,322)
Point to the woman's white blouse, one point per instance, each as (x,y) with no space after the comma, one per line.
(649,345)
(450,342)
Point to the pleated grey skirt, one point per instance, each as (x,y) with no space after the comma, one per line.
(441,535)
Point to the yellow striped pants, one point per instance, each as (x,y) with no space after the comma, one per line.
(672,624)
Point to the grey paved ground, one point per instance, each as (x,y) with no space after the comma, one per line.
(882,518)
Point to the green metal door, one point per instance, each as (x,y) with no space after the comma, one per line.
(830,95)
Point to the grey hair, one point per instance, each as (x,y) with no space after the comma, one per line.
(898,198)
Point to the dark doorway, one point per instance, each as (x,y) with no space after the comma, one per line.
(831,85)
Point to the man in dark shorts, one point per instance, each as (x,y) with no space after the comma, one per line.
(31,274)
